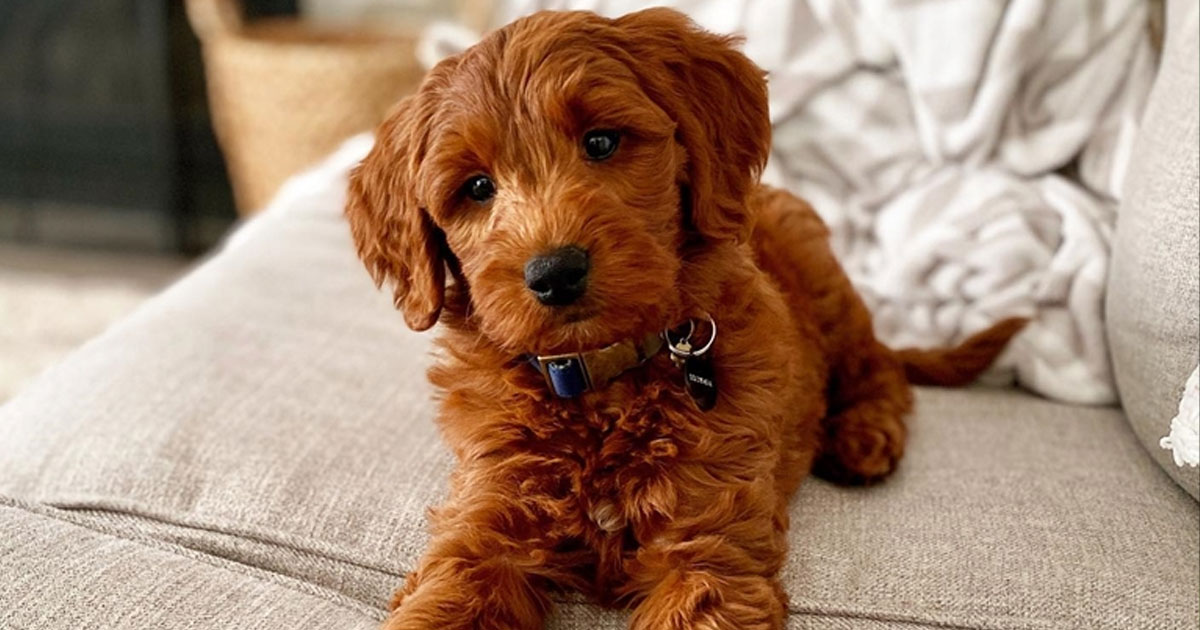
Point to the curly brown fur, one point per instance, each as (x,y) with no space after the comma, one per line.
(630,493)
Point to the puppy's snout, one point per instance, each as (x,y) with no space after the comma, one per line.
(559,277)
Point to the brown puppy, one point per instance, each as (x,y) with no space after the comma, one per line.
(589,183)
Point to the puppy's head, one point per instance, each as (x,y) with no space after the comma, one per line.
(563,169)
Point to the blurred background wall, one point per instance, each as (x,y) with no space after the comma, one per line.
(105,133)
(112,179)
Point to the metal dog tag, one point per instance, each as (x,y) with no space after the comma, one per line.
(699,378)
(700,382)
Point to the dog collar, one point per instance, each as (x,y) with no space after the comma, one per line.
(571,374)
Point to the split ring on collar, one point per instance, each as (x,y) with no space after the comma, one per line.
(684,354)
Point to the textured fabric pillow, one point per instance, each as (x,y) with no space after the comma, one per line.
(1153,299)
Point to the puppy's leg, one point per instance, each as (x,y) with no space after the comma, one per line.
(868,394)
(716,568)
(864,433)
(491,556)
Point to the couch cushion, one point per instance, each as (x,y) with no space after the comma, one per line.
(58,572)
(1154,290)
(271,410)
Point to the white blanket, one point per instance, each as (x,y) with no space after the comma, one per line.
(968,155)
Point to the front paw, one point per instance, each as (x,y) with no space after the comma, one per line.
(410,584)
(703,601)
(467,601)
(429,605)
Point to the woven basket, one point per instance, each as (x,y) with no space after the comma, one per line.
(283,94)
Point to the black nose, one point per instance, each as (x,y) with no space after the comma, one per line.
(559,277)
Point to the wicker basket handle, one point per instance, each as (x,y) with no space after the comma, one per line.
(214,19)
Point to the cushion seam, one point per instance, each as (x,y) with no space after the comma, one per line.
(986,623)
(279,541)
(262,575)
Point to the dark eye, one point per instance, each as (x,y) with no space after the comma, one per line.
(480,188)
(600,144)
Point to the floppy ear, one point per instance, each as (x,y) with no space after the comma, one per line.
(396,238)
(718,100)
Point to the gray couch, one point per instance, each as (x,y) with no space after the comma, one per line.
(254,449)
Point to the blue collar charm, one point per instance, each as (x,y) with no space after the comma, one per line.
(566,375)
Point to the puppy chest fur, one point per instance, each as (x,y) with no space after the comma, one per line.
(601,477)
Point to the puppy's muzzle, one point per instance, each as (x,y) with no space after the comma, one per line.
(558,278)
